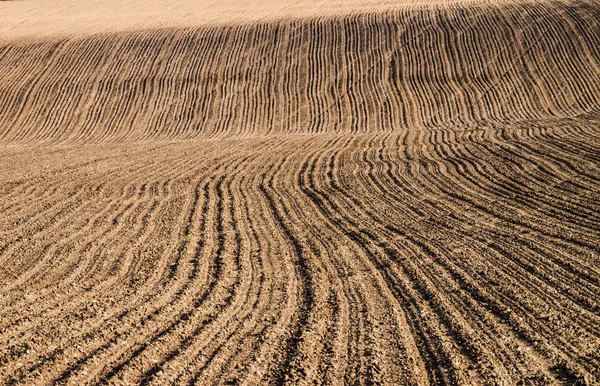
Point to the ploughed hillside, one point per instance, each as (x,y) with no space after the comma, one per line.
(300,192)
(436,67)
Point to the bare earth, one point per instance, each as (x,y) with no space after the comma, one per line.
(300,192)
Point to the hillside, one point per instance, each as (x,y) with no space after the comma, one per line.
(360,192)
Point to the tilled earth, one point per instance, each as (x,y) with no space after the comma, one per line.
(404,194)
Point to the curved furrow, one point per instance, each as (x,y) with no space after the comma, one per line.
(378,364)
(158,312)
(127,323)
(428,341)
(74,307)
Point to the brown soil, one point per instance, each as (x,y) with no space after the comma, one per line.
(297,193)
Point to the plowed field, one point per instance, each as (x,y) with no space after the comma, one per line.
(279,192)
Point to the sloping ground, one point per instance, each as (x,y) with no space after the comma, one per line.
(397,197)
(450,67)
